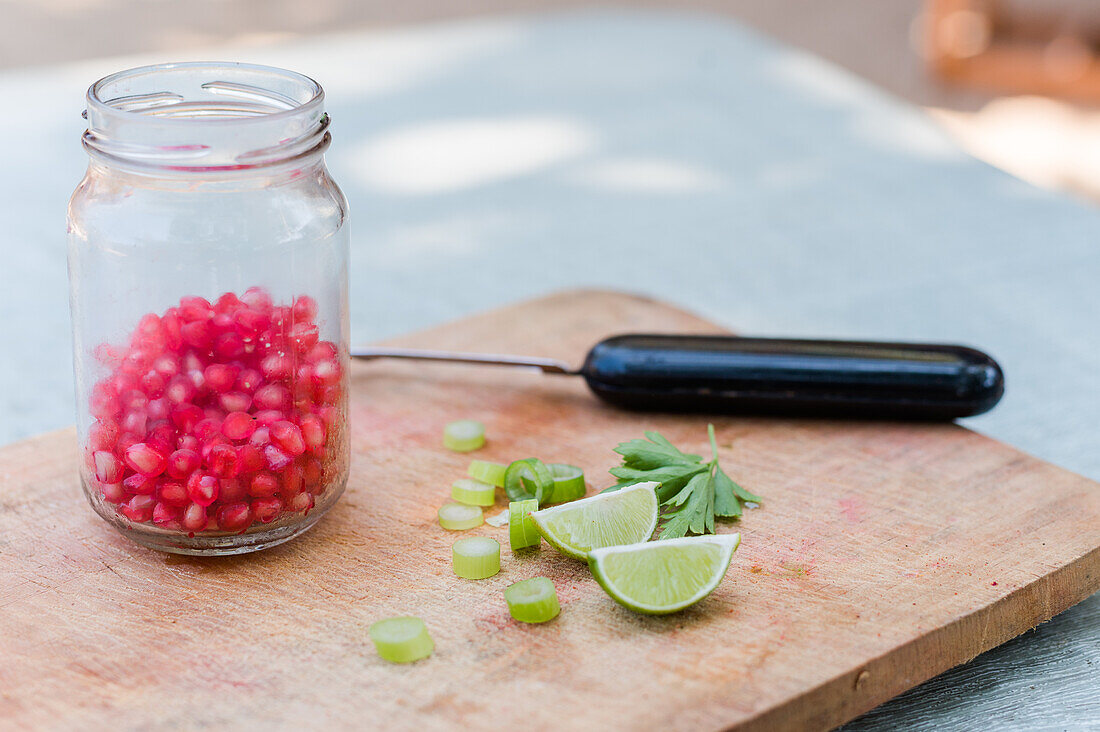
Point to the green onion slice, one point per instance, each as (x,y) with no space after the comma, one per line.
(459,517)
(529,478)
(465,435)
(487,472)
(568,482)
(533,600)
(476,557)
(402,640)
(522,532)
(473,493)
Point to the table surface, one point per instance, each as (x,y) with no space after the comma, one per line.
(677,155)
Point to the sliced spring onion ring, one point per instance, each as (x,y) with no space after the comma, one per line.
(465,435)
(529,478)
(473,493)
(487,472)
(475,557)
(498,520)
(402,640)
(522,532)
(459,517)
(568,482)
(533,600)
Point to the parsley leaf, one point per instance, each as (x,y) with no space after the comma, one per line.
(692,492)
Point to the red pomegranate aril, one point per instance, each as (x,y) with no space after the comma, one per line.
(260,438)
(267,417)
(238,425)
(188,442)
(323,351)
(138,509)
(135,422)
(288,436)
(171,323)
(159,409)
(162,434)
(205,428)
(293,479)
(180,390)
(114,492)
(139,485)
(263,485)
(146,460)
(276,459)
(153,383)
(250,459)
(328,414)
(313,431)
(227,303)
(229,346)
(222,461)
(195,308)
(222,322)
(167,365)
(251,323)
(249,380)
(326,373)
(304,309)
(194,517)
(108,468)
(299,502)
(329,395)
(174,493)
(304,336)
(219,377)
(234,516)
(271,396)
(103,435)
(266,510)
(197,334)
(133,400)
(257,299)
(202,488)
(235,401)
(182,463)
(232,490)
(125,441)
(164,513)
(312,472)
(186,416)
(277,366)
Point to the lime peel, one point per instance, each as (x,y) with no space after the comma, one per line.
(626,516)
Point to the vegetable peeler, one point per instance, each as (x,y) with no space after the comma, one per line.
(768,376)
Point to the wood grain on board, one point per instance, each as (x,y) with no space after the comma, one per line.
(882,555)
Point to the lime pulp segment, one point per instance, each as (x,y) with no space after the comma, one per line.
(625,516)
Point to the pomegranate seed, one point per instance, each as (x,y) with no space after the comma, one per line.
(108,469)
(235,401)
(197,334)
(159,409)
(180,390)
(329,395)
(250,459)
(257,299)
(195,308)
(313,431)
(114,492)
(219,377)
(135,422)
(145,460)
(293,479)
(188,442)
(171,323)
(222,461)
(271,396)
(174,493)
(304,309)
(238,425)
(312,472)
(299,502)
(277,366)
(323,351)
(266,417)
(234,516)
(227,303)
(251,323)
(138,484)
(328,415)
(276,459)
(260,438)
(326,373)
(304,336)
(153,383)
(202,488)
(249,380)
(133,400)
(232,491)
(288,436)
(102,435)
(167,365)
(125,440)
(229,346)
(165,514)
(263,485)
(186,416)
(182,463)
(138,509)
(194,517)
(161,434)
(207,427)
(266,510)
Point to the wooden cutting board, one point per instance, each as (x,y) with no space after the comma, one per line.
(883,555)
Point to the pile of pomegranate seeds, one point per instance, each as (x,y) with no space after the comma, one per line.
(218,417)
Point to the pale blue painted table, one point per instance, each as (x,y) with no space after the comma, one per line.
(674,155)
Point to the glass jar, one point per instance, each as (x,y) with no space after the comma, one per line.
(208,254)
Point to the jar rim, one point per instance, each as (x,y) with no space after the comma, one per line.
(105,107)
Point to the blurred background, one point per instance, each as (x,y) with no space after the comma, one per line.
(1015,82)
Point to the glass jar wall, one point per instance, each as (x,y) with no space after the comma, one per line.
(208,252)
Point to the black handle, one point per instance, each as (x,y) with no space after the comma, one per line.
(726,374)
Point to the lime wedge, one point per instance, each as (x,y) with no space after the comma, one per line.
(660,577)
(625,516)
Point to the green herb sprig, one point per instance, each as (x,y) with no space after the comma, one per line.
(692,492)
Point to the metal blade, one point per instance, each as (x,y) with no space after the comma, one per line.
(546,365)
